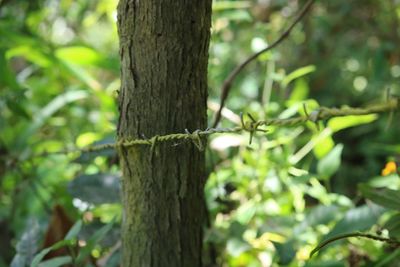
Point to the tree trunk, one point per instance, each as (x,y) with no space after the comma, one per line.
(164,52)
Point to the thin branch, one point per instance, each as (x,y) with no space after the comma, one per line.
(227,84)
(389,241)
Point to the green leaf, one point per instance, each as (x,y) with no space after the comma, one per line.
(7,76)
(238,15)
(223,5)
(385,197)
(246,212)
(55,262)
(323,147)
(38,258)
(31,53)
(86,56)
(321,214)
(236,229)
(300,91)
(356,219)
(108,212)
(393,226)
(18,109)
(297,74)
(74,231)
(339,123)
(80,55)
(286,252)
(329,164)
(383,181)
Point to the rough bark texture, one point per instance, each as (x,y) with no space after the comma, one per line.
(164,52)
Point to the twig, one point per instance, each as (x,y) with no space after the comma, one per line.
(227,84)
(389,241)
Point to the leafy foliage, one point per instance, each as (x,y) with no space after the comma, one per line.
(270,203)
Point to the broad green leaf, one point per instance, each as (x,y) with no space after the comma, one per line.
(74,231)
(385,197)
(16,39)
(393,226)
(18,109)
(80,55)
(356,219)
(108,212)
(85,139)
(323,147)
(297,74)
(30,53)
(38,258)
(55,262)
(96,188)
(384,181)
(7,77)
(300,91)
(319,215)
(286,252)
(339,123)
(238,15)
(86,56)
(246,212)
(223,5)
(236,229)
(329,164)
(311,105)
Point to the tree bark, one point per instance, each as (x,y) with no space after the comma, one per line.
(164,53)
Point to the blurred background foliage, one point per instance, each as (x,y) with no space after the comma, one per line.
(270,203)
